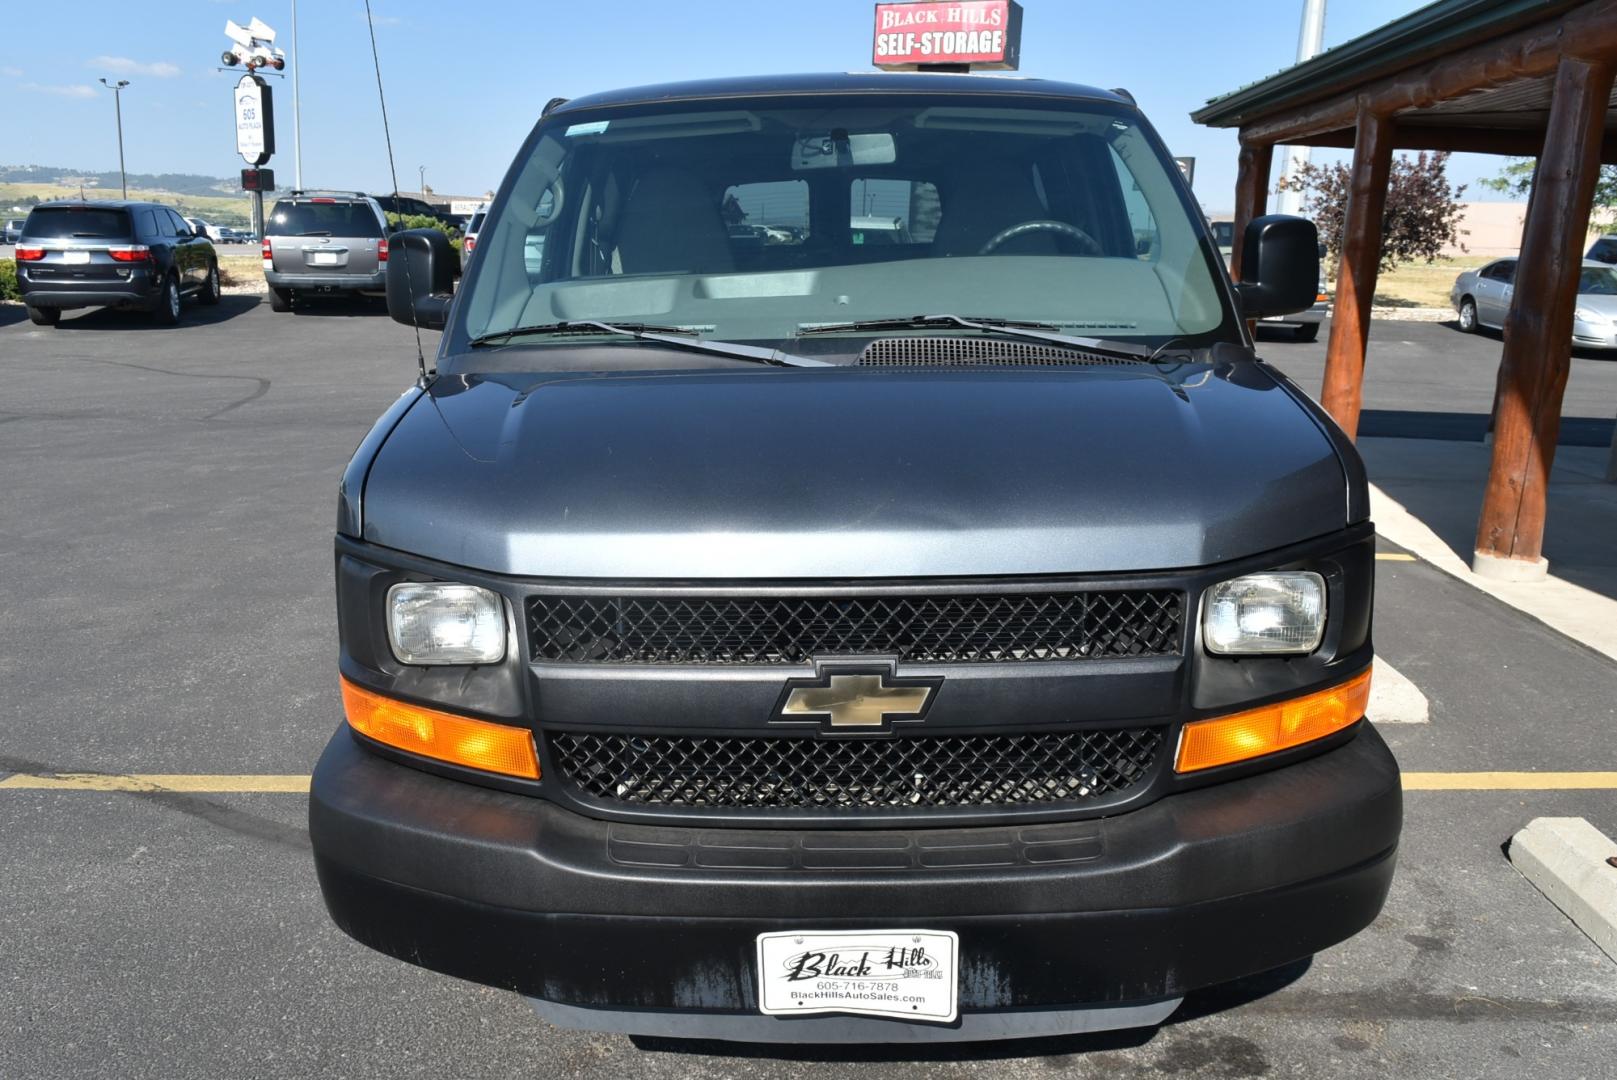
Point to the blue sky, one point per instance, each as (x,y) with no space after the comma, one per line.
(466,80)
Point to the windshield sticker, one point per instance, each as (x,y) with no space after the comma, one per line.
(594,127)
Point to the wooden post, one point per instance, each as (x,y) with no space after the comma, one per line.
(1356,276)
(1538,330)
(1251,195)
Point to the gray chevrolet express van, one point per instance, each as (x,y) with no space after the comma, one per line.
(749,630)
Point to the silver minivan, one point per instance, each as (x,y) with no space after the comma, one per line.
(324,242)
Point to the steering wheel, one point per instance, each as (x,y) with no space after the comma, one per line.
(1091,245)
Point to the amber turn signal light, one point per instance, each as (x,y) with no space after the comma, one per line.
(1240,736)
(459,740)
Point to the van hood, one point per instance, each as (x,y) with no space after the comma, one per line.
(853,473)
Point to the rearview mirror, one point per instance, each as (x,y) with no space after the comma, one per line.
(1279,266)
(838,148)
(421,272)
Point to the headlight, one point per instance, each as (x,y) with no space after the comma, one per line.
(1586,315)
(436,622)
(1265,613)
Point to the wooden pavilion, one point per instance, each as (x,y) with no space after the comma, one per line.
(1521,77)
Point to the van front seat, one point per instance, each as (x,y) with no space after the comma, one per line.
(671,224)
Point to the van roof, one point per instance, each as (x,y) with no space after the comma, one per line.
(986,84)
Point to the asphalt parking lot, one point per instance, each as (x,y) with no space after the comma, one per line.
(169,496)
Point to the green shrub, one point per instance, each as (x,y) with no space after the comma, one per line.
(8,280)
(422,221)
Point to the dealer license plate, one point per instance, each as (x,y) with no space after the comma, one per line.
(76,258)
(913,974)
(323,258)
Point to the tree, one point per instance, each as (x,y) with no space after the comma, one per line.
(1516,178)
(1422,216)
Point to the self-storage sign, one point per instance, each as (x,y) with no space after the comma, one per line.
(979,33)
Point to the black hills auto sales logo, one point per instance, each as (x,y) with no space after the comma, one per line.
(856,963)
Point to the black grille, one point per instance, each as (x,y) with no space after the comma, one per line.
(762,773)
(974,351)
(938,629)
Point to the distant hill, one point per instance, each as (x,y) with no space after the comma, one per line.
(178,183)
(219,201)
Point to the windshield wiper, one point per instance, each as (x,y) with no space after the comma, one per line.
(676,336)
(1032,331)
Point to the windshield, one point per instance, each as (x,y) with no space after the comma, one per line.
(328,218)
(82,222)
(1597,281)
(757,220)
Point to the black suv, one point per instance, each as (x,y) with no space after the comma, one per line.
(112,254)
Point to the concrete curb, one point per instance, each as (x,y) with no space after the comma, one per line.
(1394,699)
(1413,314)
(1565,858)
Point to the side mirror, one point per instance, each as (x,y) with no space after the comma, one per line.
(421,273)
(1279,266)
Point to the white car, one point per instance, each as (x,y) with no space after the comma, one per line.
(1481,298)
(204,228)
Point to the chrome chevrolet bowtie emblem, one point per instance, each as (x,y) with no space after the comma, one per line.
(847,698)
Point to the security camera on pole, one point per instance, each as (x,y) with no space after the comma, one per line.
(253,46)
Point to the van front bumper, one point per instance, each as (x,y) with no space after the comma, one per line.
(1063,927)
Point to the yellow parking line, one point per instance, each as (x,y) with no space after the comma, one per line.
(191,782)
(1394,556)
(1509,781)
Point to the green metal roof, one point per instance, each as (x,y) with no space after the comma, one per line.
(1437,28)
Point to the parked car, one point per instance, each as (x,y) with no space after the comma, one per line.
(228,235)
(1603,250)
(871,229)
(474,224)
(11,230)
(204,228)
(112,254)
(760,659)
(324,242)
(1481,300)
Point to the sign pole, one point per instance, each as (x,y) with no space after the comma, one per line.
(255,134)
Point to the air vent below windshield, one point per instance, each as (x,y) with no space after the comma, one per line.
(976,351)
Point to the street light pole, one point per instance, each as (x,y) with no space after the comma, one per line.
(421,180)
(1310,40)
(297,106)
(117,89)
